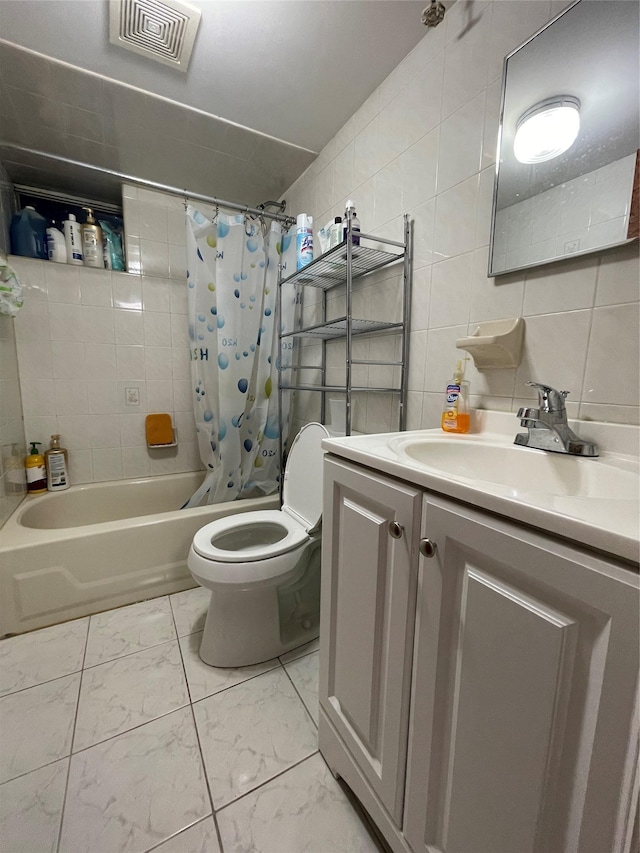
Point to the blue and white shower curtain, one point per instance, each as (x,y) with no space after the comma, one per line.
(232,284)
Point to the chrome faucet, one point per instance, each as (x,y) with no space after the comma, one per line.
(547,425)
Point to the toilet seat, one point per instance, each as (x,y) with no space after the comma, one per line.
(290,534)
(255,536)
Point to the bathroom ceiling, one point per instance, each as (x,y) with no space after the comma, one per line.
(269,83)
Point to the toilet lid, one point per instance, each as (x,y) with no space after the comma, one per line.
(302,489)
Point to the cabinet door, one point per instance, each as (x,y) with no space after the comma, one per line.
(367,617)
(523,719)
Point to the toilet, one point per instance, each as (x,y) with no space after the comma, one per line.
(263,568)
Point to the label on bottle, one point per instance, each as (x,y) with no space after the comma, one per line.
(57,471)
(304,247)
(90,246)
(36,478)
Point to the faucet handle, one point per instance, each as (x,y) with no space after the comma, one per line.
(549,400)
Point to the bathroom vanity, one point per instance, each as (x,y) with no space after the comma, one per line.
(479,639)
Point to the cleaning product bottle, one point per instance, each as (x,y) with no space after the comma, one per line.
(335,233)
(455,413)
(57,465)
(92,254)
(350,215)
(36,471)
(73,240)
(27,232)
(56,246)
(304,240)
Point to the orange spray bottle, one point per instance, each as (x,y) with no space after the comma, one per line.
(455,412)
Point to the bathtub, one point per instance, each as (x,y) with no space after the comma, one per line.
(90,548)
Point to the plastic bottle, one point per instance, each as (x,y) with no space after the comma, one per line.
(73,240)
(455,412)
(336,234)
(57,465)
(350,215)
(36,471)
(27,231)
(304,240)
(92,254)
(56,245)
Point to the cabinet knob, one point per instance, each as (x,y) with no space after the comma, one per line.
(427,548)
(395,530)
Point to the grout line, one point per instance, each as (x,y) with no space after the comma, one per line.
(267,781)
(204,773)
(129,654)
(299,695)
(35,769)
(40,684)
(179,833)
(73,735)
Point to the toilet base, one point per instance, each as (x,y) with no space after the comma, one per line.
(259,623)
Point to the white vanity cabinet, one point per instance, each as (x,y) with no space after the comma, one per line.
(517,654)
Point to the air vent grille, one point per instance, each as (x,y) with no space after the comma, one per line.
(163,30)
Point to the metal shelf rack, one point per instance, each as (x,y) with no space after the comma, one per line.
(340,267)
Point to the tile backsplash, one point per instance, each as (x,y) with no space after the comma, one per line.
(425,143)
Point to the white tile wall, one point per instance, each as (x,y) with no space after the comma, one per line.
(424,143)
(84,337)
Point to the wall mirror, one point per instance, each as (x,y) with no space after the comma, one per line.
(569,139)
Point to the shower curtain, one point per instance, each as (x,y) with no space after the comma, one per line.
(232,276)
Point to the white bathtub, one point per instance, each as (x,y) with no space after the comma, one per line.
(69,554)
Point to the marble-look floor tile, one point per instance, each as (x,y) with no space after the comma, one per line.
(205,680)
(190,609)
(307,649)
(129,629)
(136,790)
(31,809)
(201,838)
(42,655)
(36,725)
(304,674)
(126,692)
(303,809)
(252,732)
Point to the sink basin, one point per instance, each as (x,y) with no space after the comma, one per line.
(519,470)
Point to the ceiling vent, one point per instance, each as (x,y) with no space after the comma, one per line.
(164,30)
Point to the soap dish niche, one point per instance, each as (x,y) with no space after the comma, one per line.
(496,344)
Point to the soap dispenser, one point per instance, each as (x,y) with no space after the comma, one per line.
(57,465)
(455,412)
(92,253)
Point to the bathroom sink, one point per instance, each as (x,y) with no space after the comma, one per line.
(518,470)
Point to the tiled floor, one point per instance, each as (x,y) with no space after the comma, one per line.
(114,737)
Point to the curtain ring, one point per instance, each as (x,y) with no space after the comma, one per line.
(216,211)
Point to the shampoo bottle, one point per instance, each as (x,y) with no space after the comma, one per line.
(73,240)
(36,472)
(304,240)
(57,464)
(455,412)
(92,254)
(56,245)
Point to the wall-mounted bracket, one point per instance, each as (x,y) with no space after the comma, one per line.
(495,344)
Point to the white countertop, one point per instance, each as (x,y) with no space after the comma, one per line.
(608,523)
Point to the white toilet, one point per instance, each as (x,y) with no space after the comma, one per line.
(263,568)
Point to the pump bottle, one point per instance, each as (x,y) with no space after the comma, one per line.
(57,464)
(92,242)
(455,412)
(36,472)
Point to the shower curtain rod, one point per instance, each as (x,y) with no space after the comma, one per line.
(166,188)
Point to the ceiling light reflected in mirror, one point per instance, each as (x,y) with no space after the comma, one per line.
(547,130)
